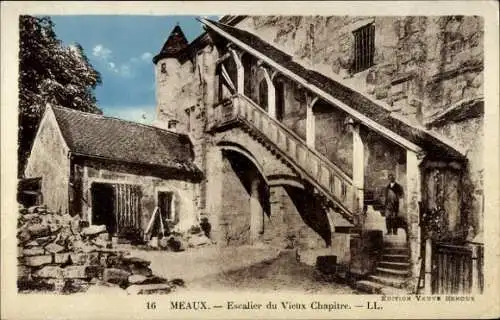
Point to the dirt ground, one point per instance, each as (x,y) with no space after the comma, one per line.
(283,273)
(245,268)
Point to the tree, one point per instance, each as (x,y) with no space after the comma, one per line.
(49,72)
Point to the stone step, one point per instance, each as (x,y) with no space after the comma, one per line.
(395,244)
(369,286)
(388,281)
(396,250)
(394,265)
(395,257)
(392,272)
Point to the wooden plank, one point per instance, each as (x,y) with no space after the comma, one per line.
(134,209)
(129,210)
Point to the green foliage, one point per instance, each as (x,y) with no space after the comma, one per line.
(49,72)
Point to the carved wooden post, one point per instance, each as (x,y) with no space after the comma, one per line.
(310,121)
(475,271)
(240,82)
(413,198)
(271,93)
(358,166)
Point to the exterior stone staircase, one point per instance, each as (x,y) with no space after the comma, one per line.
(329,181)
(393,268)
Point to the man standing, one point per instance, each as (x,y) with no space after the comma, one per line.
(393,192)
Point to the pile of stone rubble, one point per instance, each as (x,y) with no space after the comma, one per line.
(179,241)
(60,253)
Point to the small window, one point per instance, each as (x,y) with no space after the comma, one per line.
(172,124)
(364,48)
(163,68)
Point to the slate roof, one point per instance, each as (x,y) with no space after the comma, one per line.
(174,46)
(357,101)
(98,136)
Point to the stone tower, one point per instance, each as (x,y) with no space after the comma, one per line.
(172,72)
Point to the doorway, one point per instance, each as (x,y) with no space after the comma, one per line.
(103,209)
(165,200)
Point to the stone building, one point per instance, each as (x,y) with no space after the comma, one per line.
(113,172)
(296,122)
(282,130)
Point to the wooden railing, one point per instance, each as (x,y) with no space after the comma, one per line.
(457,269)
(321,172)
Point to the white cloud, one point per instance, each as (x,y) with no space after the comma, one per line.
(146,56)
(125,70)
(101,52)
(140,114)
(105,55)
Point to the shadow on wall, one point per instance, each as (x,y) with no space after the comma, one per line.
(312,212)
(246,172)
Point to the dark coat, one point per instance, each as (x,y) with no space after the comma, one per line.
(392,202)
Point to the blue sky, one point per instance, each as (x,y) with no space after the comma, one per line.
(121,48)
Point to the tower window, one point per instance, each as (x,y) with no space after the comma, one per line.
(172,124)
(164,68)
(364,48)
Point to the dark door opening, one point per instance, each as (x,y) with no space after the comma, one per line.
(103,209)
(165,205)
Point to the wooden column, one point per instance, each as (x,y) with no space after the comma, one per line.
(310,121)
(271,93)
(240,82)
(413,198)
(476,288)
(358,166)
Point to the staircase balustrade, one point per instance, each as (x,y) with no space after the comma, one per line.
(319,170)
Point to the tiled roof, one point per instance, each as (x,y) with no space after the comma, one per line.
(174,46)
(124,141)
(357,101)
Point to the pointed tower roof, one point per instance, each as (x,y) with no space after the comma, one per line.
(175,44)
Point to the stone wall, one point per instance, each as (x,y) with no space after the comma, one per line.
(183,190)
(49,160)
(291,225)
(56,253)
(421,64)
(469,135)
(234,217)
(382,157)
(333,137)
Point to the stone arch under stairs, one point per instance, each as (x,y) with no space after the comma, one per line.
(282,178)
(268,162)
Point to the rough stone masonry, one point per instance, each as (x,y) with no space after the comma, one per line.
(59,253)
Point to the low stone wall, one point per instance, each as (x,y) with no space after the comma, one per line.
(59,253)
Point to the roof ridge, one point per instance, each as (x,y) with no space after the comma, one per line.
(119,119)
